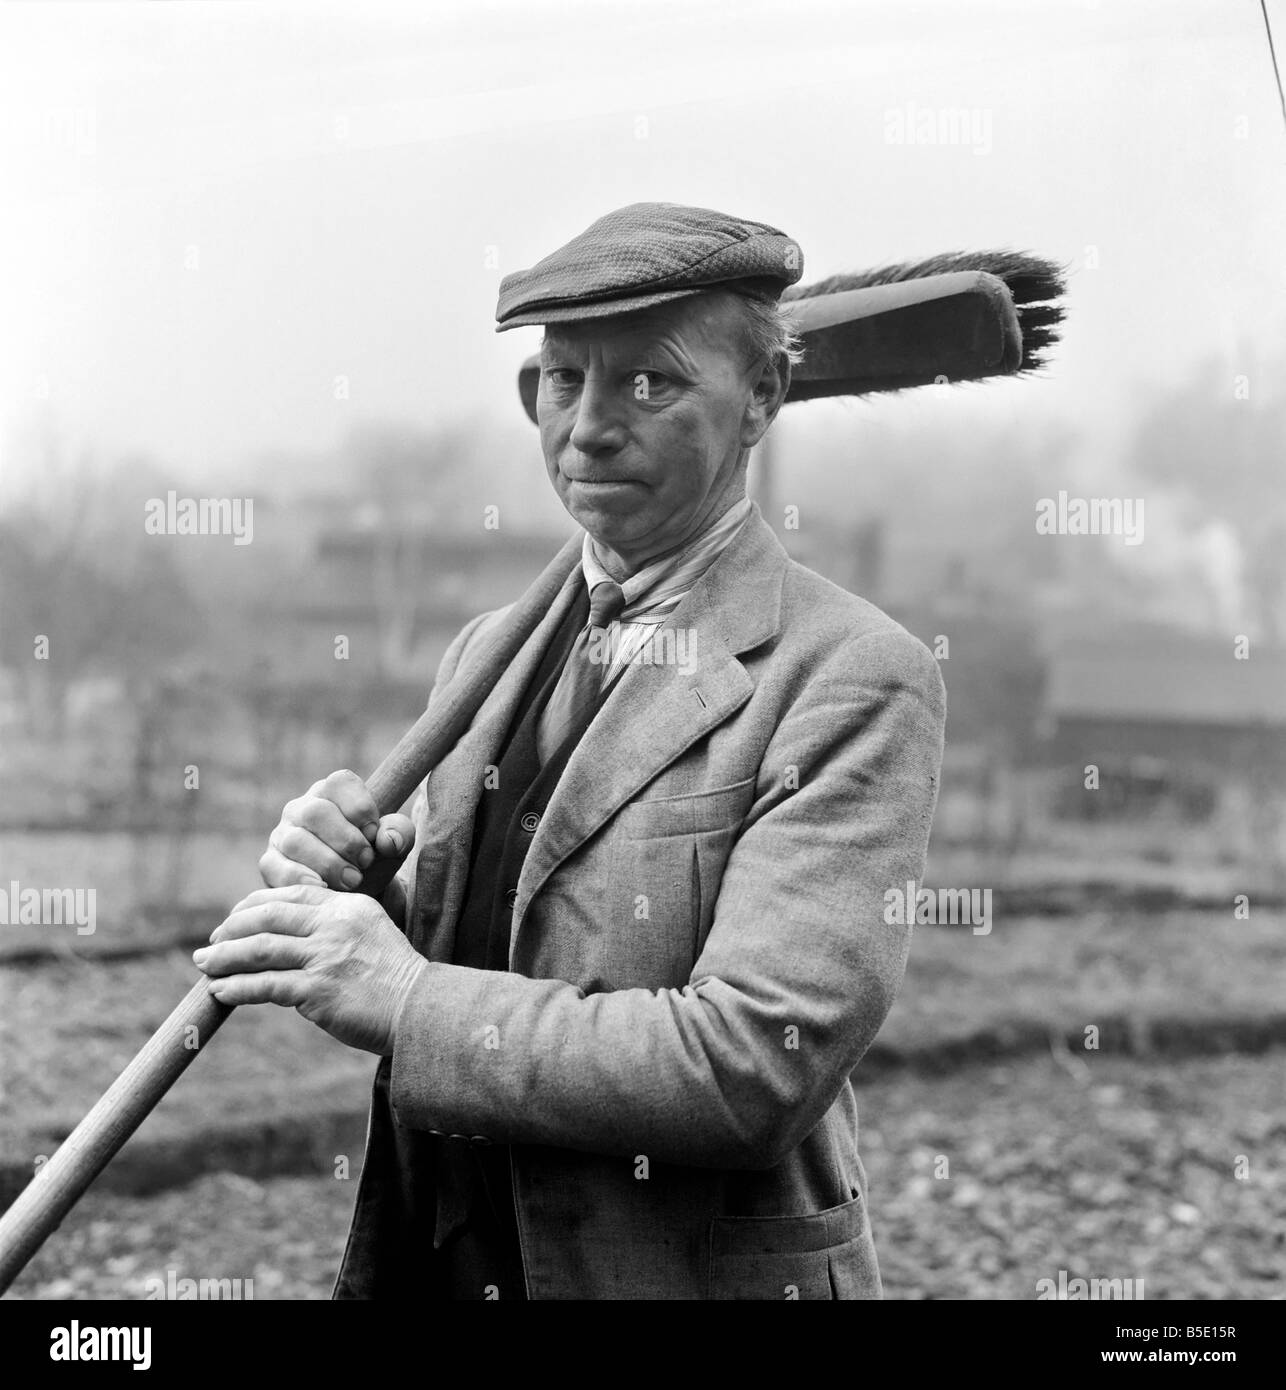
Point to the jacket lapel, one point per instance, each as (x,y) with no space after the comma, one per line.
(657,712)
(455,786)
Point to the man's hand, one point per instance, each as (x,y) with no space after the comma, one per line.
(335,957)
(332,835)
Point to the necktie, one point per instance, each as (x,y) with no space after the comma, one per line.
(582,678)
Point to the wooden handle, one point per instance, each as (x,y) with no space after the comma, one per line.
(87,1150)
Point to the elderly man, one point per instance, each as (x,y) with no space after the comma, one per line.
(620,985)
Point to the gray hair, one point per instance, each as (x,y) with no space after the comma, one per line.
(770,333)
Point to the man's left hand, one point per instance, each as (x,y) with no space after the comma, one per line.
(335,957)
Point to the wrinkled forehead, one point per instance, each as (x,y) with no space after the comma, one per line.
(697,325)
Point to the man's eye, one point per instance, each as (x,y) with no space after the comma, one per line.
(650,382)
(559,376)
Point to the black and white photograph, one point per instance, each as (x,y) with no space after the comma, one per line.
(663,629)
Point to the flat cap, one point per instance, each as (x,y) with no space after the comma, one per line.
(645,254)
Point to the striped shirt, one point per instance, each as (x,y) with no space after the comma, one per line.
(655,591)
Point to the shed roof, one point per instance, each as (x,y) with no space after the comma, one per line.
(1174,679)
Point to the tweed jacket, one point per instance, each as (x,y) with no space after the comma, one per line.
(699,955)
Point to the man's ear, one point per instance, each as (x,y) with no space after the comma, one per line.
(766,400)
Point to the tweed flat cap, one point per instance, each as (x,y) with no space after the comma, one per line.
(645,254)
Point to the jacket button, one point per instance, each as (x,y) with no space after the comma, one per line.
(530,821)
(511,896)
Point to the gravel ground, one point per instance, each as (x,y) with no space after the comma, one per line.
(1109,1168)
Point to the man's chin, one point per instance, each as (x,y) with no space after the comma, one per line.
(609,512)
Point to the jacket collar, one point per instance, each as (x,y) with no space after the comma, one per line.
(657,711)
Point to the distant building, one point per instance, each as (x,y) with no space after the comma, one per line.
(1184,701)
(398,597)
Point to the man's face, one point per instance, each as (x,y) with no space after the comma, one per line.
(645,419)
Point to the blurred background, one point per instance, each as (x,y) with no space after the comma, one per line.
(252,255)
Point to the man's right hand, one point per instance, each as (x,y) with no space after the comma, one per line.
(333,835)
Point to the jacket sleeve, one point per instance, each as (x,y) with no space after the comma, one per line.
(796,976)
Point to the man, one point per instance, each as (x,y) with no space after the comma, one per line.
(642,943)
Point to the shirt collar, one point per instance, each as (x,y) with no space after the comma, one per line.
(672,574)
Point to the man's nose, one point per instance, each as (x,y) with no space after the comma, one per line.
(599,422)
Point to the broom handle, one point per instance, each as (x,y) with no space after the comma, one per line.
(87,1150)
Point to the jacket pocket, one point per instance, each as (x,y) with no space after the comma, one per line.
(660,881)
(828,1255)
(654,889)
(720,808)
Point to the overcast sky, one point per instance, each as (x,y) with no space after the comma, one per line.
(213,211)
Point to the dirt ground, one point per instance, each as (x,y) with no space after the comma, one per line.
(1169,1172)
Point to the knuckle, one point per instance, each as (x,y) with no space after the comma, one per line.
(345,849)
(309,811)
(291,841)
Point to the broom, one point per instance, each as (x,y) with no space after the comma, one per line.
(963,316)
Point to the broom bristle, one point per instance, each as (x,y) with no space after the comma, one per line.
(1034,284)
